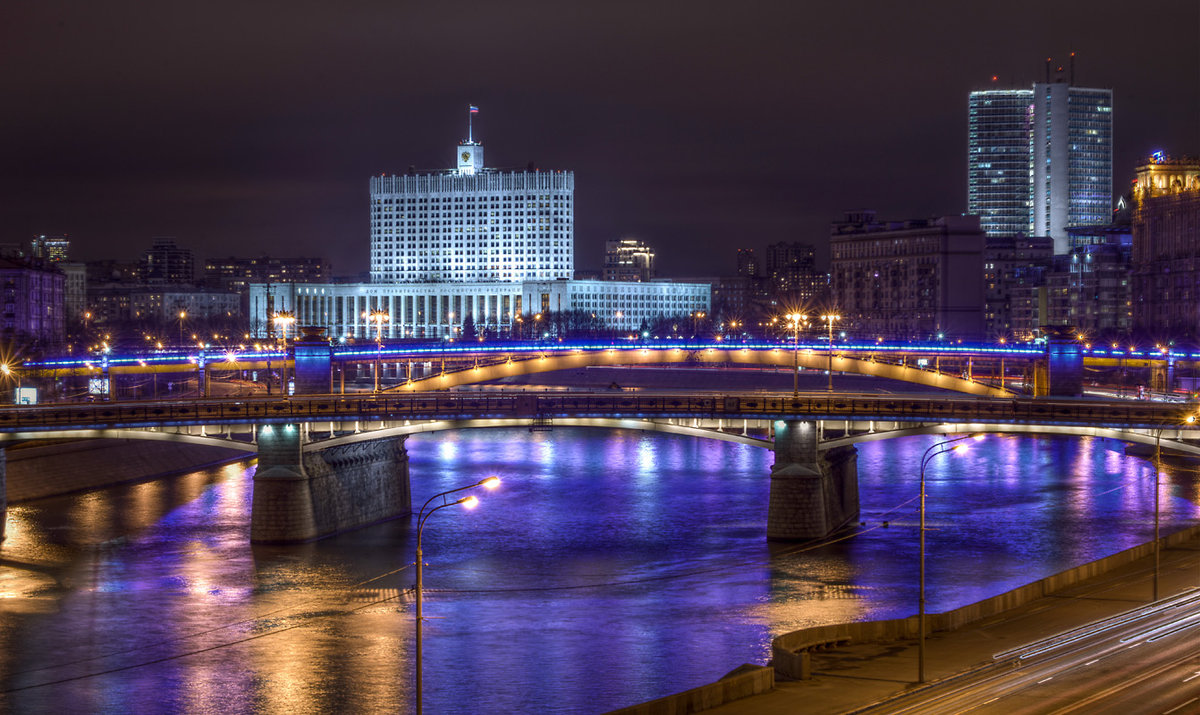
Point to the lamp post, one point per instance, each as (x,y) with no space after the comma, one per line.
(1190,419)
(282,320)
(936,449)
(794,321)
(469,502)
(379,317)
(830,319)
(182,315)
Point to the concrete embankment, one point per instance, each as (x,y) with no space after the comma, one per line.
(36,471)
(866,677)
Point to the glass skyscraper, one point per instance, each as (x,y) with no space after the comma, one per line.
(1040,161)
(999,191)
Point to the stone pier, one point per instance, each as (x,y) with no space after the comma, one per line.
(813,493)
(301,496)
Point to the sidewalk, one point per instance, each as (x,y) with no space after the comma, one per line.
(859,675)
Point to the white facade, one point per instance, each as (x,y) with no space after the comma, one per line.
(472,224)
(432,310)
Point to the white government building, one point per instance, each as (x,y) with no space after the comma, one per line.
(471,241)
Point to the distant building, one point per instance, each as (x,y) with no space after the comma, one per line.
(1011,263)
(747,263)
(112,271)
(234,275)
(31,302)
(1166,246)
(53,249)
(74,290)
(792,272)
(1039,160)
(628,260)
(167,263)
(908,279)
(119,303)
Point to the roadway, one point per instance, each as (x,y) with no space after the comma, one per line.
(1143,660)
(1098,647)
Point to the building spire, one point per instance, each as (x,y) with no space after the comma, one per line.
(472,110)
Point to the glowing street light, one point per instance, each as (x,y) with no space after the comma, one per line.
(379,317)
(830,319)
(468,502)
(795,320)
(936,449)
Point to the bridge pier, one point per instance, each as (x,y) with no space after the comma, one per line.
(812,493)
(3,491)
(301,496)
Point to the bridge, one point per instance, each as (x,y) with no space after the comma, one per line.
(979,369)
(331,462)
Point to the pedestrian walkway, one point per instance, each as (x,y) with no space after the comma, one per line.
(857,676)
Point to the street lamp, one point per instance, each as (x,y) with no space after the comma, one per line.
(468,502)
(282,320)
(938,448)
(830,319)
(182,315)
(379,317)
(8,372)
(1190,419)
(794,320)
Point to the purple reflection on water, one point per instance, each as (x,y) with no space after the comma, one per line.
(610,568)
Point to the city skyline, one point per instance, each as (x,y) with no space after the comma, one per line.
(239,134)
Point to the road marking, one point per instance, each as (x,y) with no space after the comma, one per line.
(1092,662)
(1135,645)
(1179,707)
(1193,676)
(1046,680)
(988,702)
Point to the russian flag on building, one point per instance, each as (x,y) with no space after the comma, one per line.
(474,109)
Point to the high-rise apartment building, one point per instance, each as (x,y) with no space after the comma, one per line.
(165,262)
(628,260)
(1040,160)
(472,223)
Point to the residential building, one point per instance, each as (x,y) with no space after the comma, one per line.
(1010,263)
(165,262)
(908,279)
(31,310)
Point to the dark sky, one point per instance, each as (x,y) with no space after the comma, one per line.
(252,127)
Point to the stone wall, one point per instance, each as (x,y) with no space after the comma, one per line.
(302,496)
(812,493)
(742,683)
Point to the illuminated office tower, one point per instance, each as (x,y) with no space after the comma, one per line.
(1071,159)
(998,188)
(472,223)
(1039,161)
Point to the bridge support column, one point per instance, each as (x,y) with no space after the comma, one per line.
(301,496)
(812,493)
(1064,362)
(313,357)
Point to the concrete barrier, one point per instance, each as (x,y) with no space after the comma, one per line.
(786,648)
(741,683)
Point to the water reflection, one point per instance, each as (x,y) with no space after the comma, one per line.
(612,567)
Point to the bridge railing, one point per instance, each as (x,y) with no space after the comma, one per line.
(425,406)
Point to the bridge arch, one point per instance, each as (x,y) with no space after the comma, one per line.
(779,357)
(601,422)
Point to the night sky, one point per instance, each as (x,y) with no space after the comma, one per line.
(244,128)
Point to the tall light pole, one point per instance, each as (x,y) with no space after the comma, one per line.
(182,315)
(282,320)
(379,317)
(794,321)
(830,319)
(938,448)
(469,502)
(1190,419)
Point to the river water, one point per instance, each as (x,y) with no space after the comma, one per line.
(612,567)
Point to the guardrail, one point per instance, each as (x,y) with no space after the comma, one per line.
(422,406)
